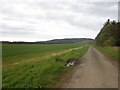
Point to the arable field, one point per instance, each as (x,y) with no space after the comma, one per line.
(37,65)
(12,53)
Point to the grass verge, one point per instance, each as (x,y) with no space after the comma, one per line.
(109,51)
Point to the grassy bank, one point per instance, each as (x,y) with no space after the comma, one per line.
(110,51)
(39,72)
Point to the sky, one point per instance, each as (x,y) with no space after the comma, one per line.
(39,20)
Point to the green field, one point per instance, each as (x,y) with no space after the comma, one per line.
(109,51)
(37,65)
(18,52)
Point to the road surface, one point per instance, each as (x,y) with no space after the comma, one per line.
(94,71)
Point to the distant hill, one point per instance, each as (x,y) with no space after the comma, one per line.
(55,41)
(68,40)
(109,34)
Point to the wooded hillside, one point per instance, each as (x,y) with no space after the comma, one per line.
(109,34)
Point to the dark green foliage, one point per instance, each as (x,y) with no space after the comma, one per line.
(109,34)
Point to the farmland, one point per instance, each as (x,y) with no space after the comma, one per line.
(19,52)
(37,65)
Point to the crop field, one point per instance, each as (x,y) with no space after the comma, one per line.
(12,53)
(37,65)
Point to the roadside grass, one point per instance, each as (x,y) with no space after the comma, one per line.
(110,51)
(40,72)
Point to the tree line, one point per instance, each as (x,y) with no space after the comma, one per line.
(109,34)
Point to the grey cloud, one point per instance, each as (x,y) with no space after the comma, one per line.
(14,28)
(104,9)
(89,26)
(11,12)
(99,9)
(11,31)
